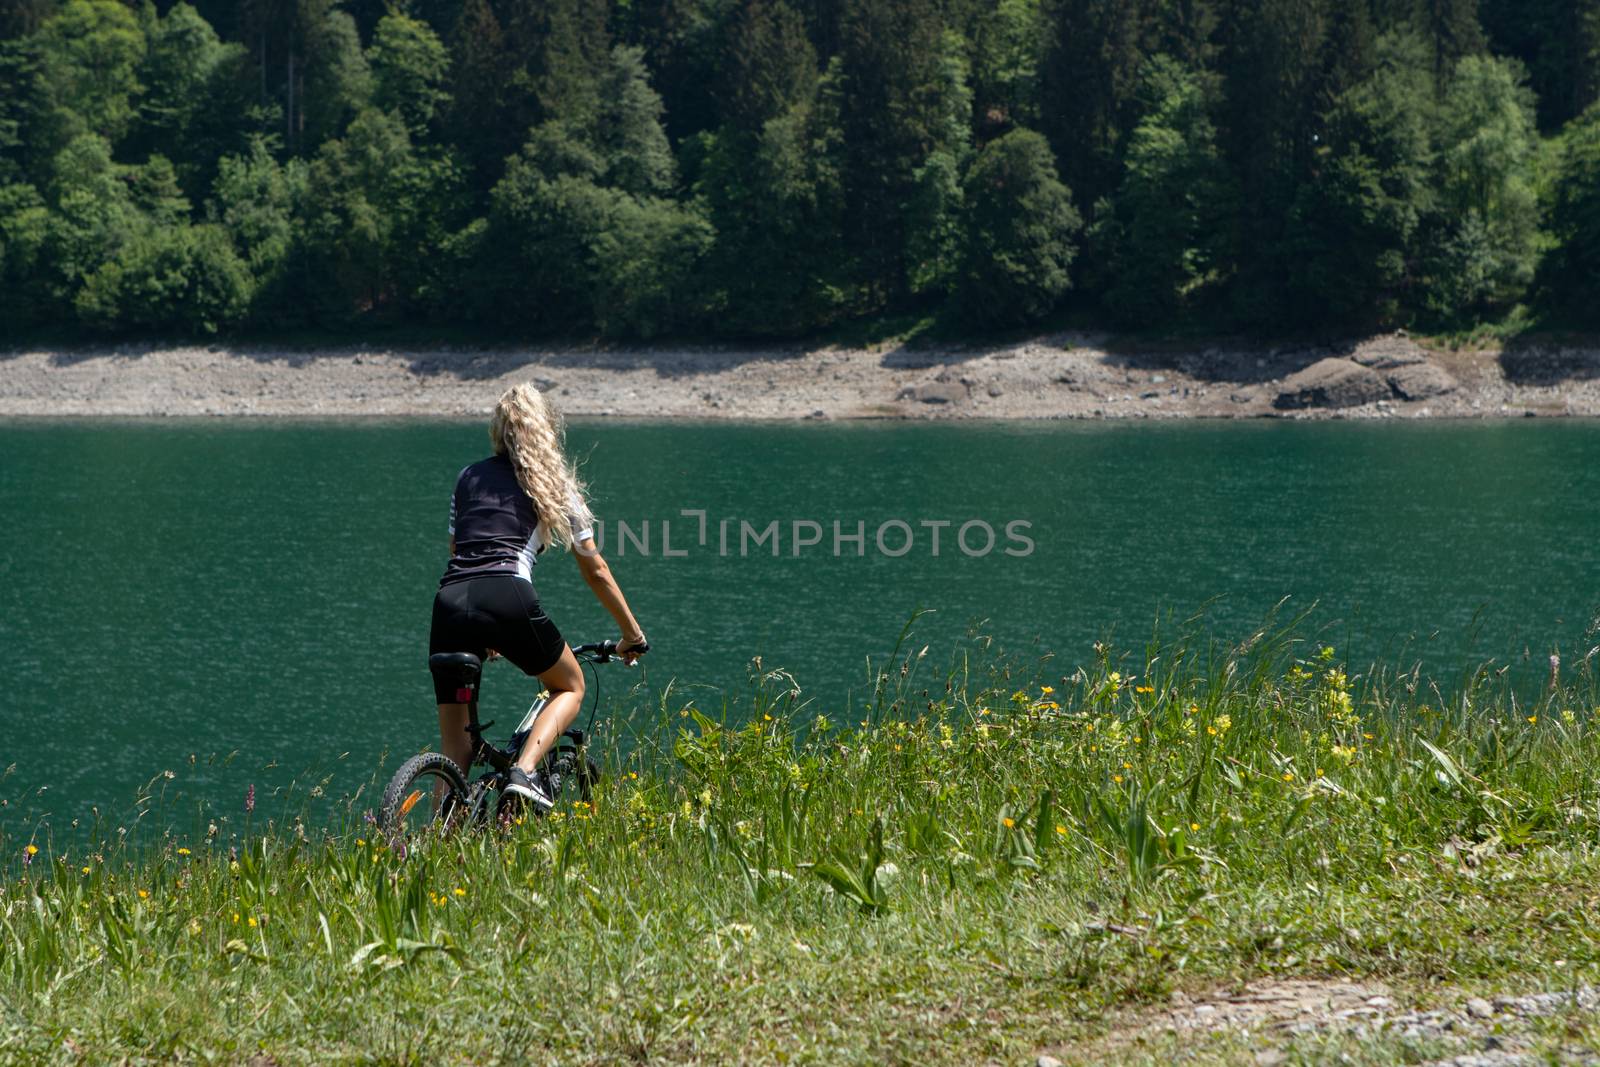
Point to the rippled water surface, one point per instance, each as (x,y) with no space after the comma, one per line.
(175,589)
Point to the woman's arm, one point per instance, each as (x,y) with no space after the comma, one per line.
(594,570)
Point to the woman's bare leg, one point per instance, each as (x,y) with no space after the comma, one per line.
(564,681)
(454,741)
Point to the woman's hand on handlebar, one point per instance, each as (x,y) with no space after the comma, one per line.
(631,648)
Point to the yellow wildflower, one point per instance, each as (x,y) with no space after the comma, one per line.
(32,850)
(252,921)
(1008,823)
(1047,689)
(458,891)
(1194,826)
(144,894)
(1288,776)
(1533,718)
(1117,778)
(86,870)
(183,852)
(1062,830)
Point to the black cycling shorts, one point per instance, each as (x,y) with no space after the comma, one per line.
(501,612)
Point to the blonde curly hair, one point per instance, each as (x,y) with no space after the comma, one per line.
(527,428)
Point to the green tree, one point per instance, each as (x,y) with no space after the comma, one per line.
(32,129)
(91,53)
(1007,48)
(1453,30)
(1089,77)
(769,179)
(934,206)
(91,216)
(628,131)
(480,106)
(409,66)
(196,105)
(1164,229)
(168,278)
(1020,227)
(1559,42)
(767,64)
(1357,222)
(24,234)
(1570,275)
(889,74)
(1484,244)
(258,200)
(18,18)
(1273,63)
(377,213)
(588,254)
(338,79)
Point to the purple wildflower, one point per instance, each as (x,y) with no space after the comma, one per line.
(250,798)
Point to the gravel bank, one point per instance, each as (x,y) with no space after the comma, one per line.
(1059,376)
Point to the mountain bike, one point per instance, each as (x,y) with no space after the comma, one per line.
(430,792)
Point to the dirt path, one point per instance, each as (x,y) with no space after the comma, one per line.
(1060,376)
(1263,1022)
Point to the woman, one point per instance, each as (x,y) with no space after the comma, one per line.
(505,511)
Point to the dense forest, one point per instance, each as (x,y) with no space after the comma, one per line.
(774,167)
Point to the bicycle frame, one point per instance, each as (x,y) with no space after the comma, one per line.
(503,759)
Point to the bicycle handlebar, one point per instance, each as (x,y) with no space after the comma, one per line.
(603,651)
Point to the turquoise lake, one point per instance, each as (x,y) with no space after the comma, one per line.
(247,602)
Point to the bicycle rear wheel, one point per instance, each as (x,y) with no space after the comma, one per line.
(427,794)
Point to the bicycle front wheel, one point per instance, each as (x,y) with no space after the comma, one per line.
(428,793)
(571,776)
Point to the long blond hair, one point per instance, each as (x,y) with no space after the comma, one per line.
(527,428)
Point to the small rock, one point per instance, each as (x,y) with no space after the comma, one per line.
(1479,1008)
(995,390)
(1271,1057)
(1047,1061)
(933,393)
(1157,379)
(1379,1002)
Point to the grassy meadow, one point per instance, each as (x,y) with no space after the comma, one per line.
(1002,857)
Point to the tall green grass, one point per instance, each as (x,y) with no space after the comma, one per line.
(968,861)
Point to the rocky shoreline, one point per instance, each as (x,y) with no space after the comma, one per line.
(1070,376)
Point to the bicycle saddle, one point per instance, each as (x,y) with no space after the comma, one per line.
(461,667)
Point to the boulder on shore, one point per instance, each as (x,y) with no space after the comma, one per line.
(1421,381)
(1332,383)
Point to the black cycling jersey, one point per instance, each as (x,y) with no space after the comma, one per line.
(495,526)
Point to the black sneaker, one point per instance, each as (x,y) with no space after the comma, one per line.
(521,784)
